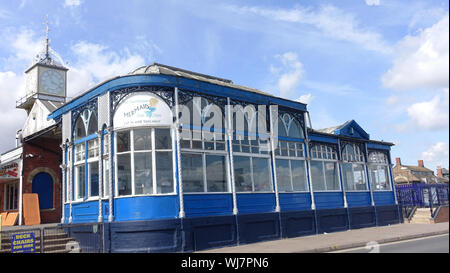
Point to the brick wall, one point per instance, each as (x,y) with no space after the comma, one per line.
(442,216)
(44,155)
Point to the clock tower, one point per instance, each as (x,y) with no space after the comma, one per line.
(46,78)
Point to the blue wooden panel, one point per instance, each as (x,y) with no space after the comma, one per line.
(208,232)
(331,220)
(322,138)
(388,215)
(66,213)
(297,223)
(255,202)
(196,205)
(146,236)
(371,145)
(258,227)
(145,208)
(295,201)
(361,217)
(358,199)
(384,198)
(328,200)
(85,212)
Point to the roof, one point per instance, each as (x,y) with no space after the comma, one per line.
(156,68)
(171,76)
(51,105)
(349,128)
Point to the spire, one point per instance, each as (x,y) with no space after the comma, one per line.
(47,55)
(47,41)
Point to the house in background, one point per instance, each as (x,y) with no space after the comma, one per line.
(442,174)
(405,174)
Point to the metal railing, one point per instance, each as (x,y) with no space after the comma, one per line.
(73,238)
(412,196)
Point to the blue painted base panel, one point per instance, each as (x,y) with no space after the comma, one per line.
(200,233)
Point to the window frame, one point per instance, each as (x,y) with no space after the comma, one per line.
(383,164)
(237,136)
(204,152)
(153,152)
(356,158)
(12,186)
(289,158)
(331,157)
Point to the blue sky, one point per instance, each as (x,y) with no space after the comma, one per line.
(382,63)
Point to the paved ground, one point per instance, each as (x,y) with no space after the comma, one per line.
(429,244)
(340,240)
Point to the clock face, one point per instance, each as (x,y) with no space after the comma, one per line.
(51,82)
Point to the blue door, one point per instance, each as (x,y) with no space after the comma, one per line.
(43,186)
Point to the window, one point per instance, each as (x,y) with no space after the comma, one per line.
(144,161)
(86,124)
(288,126)
(203,163)
(252,170)
(11,196)
(86,156)
(378,170)
(353,170)
(324,168)
(290,164)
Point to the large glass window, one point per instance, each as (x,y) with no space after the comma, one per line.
(353,168)
(144,161)
(290,162)
(324,168)
(252,170)
(288,126)
(203,163)
(86,156)
(378,170)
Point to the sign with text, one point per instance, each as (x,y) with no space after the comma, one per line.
(142,109)
(23,243)
(9,170)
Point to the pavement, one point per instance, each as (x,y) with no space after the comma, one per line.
(340,240)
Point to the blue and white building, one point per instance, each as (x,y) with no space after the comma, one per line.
(157,184)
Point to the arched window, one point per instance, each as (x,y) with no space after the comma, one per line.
(353,170)
(324,170)
(86,124)
(288,126)
(378,171)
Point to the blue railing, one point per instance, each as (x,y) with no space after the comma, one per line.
(422,195)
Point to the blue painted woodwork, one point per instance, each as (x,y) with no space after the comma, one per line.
(255,202)
(331,220)
(42,184)
(298,223)
(258,227)
(382,198)
(326,200)
(361,217)
(196,205)
(358,199)
(295,201)
(145,207)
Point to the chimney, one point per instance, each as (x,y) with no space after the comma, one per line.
(398,161)
(439,172)
(421,163)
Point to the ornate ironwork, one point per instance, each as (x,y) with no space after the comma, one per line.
(334,147)
(91,105)
(360,145)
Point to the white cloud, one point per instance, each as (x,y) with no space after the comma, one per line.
(373,2)
(436,155)
(95,63)
(72,3)
(433,114)
(307,98)
(421,61)
(290,72)
(12,86)
(330,20)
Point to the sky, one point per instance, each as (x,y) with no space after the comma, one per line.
(383,63)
